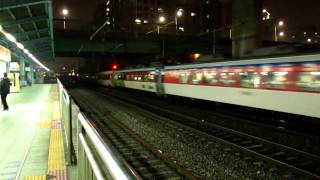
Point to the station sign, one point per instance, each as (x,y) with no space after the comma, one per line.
(5,54)
(14,66)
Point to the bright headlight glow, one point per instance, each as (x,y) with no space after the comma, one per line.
(11,38)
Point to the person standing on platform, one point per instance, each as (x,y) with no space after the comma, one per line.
(4,90)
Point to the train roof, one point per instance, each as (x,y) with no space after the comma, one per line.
(138,70)
(105,72)
(251,62)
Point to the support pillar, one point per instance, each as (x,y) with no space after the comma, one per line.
(31,65)
(22,72)
(246,26)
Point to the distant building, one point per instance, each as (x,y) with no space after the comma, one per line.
(142,16)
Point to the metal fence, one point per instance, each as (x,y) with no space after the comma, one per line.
(94,157)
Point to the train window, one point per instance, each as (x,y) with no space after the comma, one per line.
(309,81)
(149,77)
(210,78)
(250,79)
(196,78)
(228,79)
(276,80)
(184,77)
(128,77)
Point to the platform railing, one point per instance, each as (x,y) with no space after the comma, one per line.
(65,112)
(96,158)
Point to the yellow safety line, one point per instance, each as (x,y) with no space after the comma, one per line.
(44,177)
(56,159)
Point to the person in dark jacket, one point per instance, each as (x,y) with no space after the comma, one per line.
(5,90)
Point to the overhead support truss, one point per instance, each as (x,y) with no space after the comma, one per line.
(31,23)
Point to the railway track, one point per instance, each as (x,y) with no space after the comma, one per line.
(148,162)
(287,161)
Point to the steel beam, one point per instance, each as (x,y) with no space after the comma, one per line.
(50,24)
(34,23)
(14,17)
(23,21)
(36,41)
(6,4)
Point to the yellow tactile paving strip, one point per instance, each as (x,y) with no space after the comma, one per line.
(56,160)
(45,124)
(44,177)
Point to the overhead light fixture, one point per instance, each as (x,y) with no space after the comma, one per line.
(20,46)
(11,38)
(26,51)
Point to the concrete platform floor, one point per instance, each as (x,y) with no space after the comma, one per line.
(23,131)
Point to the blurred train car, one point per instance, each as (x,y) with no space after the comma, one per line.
(104,78)
(284,84)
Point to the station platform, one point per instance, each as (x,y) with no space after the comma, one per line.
(31,136)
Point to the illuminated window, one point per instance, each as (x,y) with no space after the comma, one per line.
(210,78)
(277,80)
(184,77)
(196,78)
(309,81)
(228,79)
(250,79)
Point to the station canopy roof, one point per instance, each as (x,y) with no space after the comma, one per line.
(30,22)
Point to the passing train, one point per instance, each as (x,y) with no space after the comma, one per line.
(285,84)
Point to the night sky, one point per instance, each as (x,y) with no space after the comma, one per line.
(296,14)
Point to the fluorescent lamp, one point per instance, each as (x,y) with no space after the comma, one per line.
(20,46)
(10,37)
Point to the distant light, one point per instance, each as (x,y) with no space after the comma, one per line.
(316,33)
(65,12)
(181,28)
(108,2)
(114,66)
(145,21)
(281,34)
(193,14)
(179,12)
(264,10)
(281,23)
(305,33)
(309,40)
(108,9)
(162,19)
(108,22)
(196,56)
(138,21)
